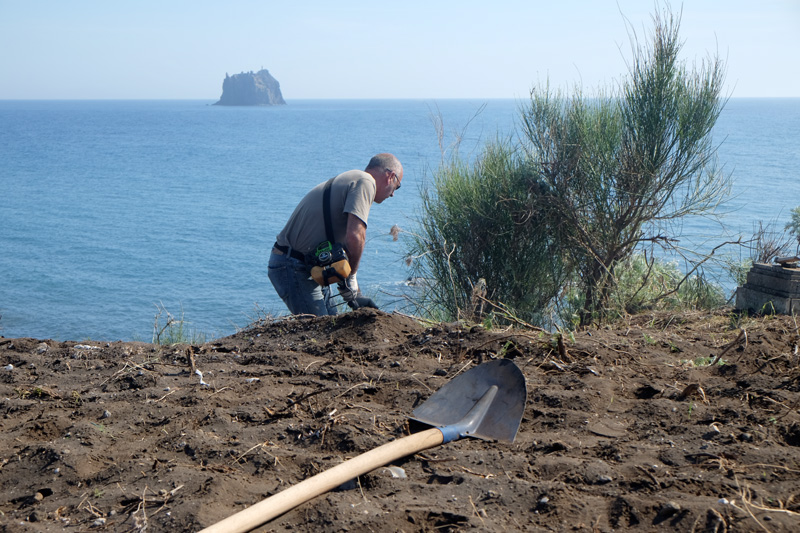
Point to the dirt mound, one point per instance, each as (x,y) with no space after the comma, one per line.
(668,423)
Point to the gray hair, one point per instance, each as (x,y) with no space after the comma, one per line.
(387,161)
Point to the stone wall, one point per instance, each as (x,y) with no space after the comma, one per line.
(770,289)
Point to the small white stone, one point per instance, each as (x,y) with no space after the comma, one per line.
(397,472)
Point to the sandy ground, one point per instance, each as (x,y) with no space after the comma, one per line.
(624,429)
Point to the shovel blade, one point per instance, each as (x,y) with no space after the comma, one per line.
(450,404)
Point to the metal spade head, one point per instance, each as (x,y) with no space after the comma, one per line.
(490,398)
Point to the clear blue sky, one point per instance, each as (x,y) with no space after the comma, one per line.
(181,49)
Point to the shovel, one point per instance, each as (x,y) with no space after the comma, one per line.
(486,402)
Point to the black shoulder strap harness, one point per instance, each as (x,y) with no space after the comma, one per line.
(326,210)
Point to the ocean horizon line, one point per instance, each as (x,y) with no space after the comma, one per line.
(324,99)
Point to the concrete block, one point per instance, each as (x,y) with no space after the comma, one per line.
(770,289)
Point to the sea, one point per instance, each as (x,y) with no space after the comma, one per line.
(115,214)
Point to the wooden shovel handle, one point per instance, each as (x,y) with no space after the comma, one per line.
(276,505)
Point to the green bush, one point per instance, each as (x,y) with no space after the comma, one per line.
(547,225)
(658,284)
(646,284)
(480,240)
(794,224)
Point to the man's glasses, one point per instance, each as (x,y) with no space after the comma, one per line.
(396,179)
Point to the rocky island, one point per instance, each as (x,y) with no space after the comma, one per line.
(249,88)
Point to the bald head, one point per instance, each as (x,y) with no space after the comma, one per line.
(388,173)
(385,161)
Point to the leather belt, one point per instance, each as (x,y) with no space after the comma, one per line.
(291,252)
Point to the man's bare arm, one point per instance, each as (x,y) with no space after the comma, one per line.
(355,239)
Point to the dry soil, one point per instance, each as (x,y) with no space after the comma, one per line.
(666,422)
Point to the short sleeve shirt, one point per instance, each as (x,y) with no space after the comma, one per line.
(351,192)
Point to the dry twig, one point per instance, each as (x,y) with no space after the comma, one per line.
(729,347)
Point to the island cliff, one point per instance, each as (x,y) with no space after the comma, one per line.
(249,88)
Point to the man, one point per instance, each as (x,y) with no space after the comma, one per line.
(351,196)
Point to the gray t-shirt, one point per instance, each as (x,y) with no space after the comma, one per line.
(351,192)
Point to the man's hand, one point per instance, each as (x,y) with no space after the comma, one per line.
(348,289)
(361,301)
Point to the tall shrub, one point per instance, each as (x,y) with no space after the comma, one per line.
(480,239)
(595,178)
(620,169)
